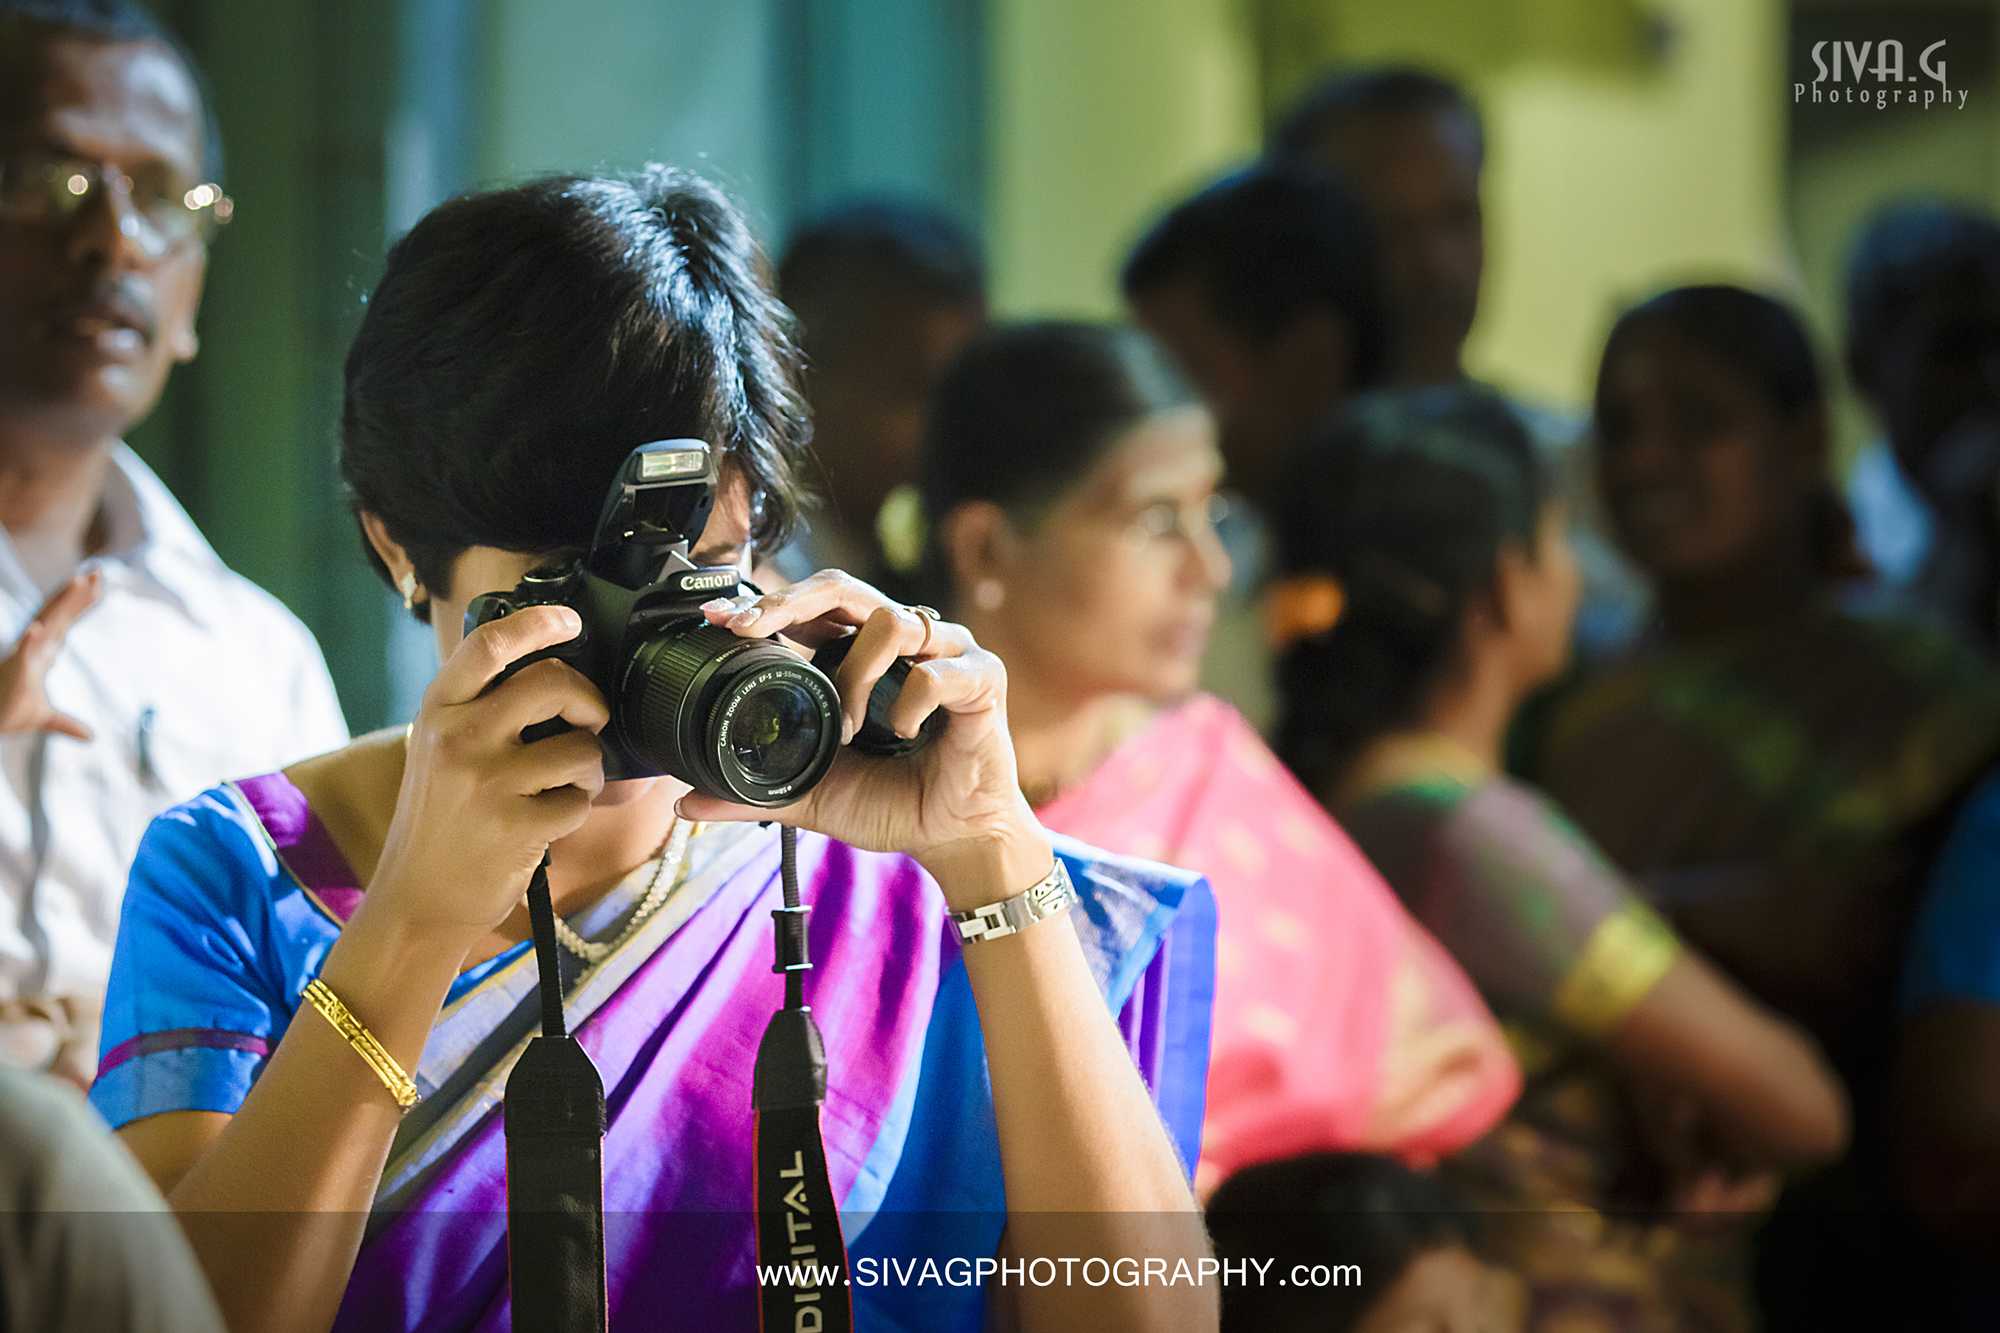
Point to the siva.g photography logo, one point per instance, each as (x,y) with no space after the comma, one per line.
(1874,74)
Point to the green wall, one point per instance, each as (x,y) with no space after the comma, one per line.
(246,435)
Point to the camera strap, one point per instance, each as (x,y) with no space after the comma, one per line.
(554,1116)
(798,1223)
(555,1120)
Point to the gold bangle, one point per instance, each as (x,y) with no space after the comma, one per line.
(372,1052)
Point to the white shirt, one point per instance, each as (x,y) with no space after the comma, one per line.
(187,674)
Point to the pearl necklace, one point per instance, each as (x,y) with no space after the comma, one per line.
(658,889)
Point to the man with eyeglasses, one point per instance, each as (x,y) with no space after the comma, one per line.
(182,672)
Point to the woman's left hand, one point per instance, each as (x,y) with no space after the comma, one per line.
(955,805)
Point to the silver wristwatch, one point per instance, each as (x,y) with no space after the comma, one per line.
(1040,901)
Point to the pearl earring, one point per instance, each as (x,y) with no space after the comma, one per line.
(407,585)
(987,594)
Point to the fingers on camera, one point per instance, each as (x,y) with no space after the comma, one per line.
(888,633)
(571,760)
(548,689)
(497,645)
(940,682)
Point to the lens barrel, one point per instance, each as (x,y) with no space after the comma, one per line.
(744,719)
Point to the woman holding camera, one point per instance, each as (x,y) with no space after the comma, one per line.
(519,345)
(1339,1023)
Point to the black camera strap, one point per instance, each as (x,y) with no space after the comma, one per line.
(554,1113)
(555,1121)
(798,1223)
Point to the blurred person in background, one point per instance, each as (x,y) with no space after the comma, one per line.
(183,672)
(1923,348)
(86,1243)
(983,1092)
(1777,758)
(1426,555)
(1414,145)
(885,292)
(1409,1235)
(1946,1097)
(1265,288)
(1807,747)
(1074,479)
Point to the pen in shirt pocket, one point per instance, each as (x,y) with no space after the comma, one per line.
(149,717)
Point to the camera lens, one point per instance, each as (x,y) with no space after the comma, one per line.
(745,719)
(775,732)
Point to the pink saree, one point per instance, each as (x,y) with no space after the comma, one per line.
(1340,1024)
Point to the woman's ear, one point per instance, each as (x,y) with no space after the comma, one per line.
(1513,586)
(978,545)
(386,548)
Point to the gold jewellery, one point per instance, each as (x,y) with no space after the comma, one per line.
(372,1052)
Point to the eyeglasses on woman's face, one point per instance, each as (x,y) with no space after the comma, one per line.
(1163,520)
(161,213)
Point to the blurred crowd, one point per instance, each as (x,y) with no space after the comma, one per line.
(1601,808)
(1679,745)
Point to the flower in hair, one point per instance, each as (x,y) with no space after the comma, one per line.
(1302,607)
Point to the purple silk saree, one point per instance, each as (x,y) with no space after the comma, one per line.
(236,897)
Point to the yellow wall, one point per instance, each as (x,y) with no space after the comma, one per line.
(1101,112)
(1612,172)
(1605,188)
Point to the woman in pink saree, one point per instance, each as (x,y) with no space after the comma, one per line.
(1339,1023)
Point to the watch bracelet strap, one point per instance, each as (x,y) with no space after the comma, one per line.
(1047,897)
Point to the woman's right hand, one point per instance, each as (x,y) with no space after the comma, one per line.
(478,806)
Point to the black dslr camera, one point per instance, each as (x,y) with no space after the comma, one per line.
(747,720)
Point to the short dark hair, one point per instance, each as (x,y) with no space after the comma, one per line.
(521,342)
(1907,251)
(1267,244)
(1406,499)
(1345,96)
(1026,410)
(864,250)
(1323,1209)
(1761,337)
(120,21)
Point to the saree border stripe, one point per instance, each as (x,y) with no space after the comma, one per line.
(180,1039)
(249,807)
(412,1156)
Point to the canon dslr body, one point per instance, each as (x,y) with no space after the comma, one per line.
(745,719)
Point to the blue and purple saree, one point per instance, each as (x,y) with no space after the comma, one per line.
(237,895)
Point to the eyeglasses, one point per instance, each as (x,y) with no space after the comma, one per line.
(1164,519)
(162,215)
